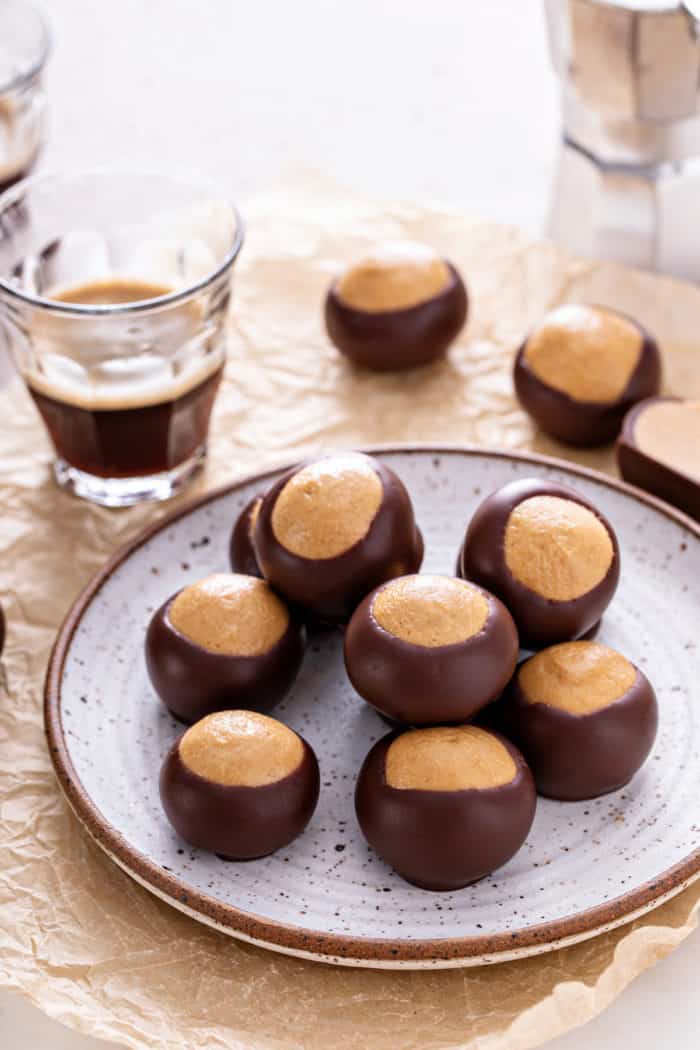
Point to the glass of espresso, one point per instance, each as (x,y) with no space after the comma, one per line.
(24,49)
(114,293)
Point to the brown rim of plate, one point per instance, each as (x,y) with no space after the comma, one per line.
(340,948)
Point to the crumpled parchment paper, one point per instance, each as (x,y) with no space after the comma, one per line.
(77,936)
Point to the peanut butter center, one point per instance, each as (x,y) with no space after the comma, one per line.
(230,614)
(669,432)
(579,677)
(448,758)
(328,506)
(557,547)
(430,610)
(585,352)
(241,749)
(394,277)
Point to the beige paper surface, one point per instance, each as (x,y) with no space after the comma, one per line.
(80,939)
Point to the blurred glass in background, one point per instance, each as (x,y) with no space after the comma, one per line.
(24,49)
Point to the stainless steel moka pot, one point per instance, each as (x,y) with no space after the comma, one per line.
(628,180)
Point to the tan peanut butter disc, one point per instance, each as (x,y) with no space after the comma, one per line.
(584,351)
(230,614)
(328,506)
(579,677)
(241,749)
(394,277)
(430,611)
(448,758)
(669,432)
(557,547)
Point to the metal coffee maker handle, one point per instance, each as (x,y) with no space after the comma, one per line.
(628,181)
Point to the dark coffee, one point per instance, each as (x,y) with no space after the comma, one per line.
(127,435)
(128,442)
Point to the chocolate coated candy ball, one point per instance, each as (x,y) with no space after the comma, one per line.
(427,649)
(658,451)
(548,554)
(581,370)
(226,641)
(239,784)
(330,531)
(241,550)
(584,717)
(445,806)
(399,308)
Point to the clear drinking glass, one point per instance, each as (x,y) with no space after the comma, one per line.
(24,48)
(114,292)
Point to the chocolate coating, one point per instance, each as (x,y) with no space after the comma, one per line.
(588,635)
(586,424)
(2,629)
(638,468)
(418,685)
(331,588)
(575,757)
(241,551)
(592,632)
(244,559)
(193,682)
(540,621)
(443,840)
(238,823)
(396,340)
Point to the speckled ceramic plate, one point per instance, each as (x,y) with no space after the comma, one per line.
(585,867)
